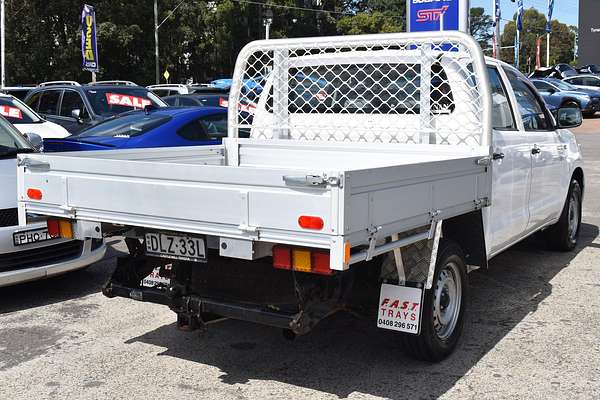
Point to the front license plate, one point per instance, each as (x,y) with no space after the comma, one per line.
(400,308)
(32,236)
(178,247)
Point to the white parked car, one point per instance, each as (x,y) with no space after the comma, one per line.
(28,252)
(28,121)
(584,81)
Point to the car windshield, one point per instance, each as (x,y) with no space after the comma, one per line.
(11,141)
(562,85)
(127,125)
(113,101)
(17,112)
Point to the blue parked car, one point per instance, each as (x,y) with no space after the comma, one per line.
(160,127)
(562,94)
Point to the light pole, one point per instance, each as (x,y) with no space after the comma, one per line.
(156,67)
(156,27)
(2,45)
(267,21)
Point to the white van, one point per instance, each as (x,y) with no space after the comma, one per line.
(28,252)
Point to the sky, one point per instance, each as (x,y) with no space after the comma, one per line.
(566,11)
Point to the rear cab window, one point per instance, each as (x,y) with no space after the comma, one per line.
(502,114)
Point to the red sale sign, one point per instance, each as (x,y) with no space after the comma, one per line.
(127,101)
(11,112)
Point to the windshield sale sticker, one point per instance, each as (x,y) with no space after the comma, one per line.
(400,308)
(11,112)
(127,101)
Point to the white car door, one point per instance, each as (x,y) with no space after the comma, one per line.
(507,218)
(546,151)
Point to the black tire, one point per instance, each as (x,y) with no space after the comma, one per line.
(435,343)
(563,235)
(589,114)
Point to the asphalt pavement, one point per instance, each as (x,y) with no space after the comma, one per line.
(532,334)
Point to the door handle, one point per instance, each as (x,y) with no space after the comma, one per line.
(536,150)
(497,156)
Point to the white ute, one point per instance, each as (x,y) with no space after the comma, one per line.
(27,252)
(379,170)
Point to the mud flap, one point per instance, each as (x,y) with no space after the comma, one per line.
(400,308)
(405,275)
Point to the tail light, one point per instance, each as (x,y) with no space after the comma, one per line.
(310,222)
(62,228)
(34,194)
(301,259)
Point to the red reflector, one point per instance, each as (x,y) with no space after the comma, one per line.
(282,257)
(53,227)
(308,222)
(320,263)
(34,194)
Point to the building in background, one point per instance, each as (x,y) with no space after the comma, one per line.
(589,32)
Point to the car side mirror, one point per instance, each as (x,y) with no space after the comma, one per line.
(551,90)
(76,113)
(568,117)
(35,139)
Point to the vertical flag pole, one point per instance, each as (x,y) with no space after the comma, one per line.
(548,30)
(547,49)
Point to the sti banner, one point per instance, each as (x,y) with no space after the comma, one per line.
(89,50)
(427,15)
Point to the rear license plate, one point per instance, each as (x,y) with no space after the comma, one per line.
(400,308)
(178,247)
(31,236)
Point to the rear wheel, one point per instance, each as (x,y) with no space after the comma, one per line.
(563,235)
(443,309)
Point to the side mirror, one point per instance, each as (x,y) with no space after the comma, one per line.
(76,113)
(35,139)
(568,118)
(551,90)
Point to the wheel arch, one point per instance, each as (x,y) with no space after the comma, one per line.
(570,100)
(468,232)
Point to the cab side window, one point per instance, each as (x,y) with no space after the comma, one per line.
(533,112)
(49,102)
(502,116)
(72,101)
(34,101)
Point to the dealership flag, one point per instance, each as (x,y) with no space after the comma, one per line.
(497,12)
(89,51)
(550,9)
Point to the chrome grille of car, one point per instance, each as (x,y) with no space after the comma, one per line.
(41,256)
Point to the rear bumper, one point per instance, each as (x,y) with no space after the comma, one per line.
(62,256)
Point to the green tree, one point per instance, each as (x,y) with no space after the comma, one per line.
(481,26)
(534,22)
